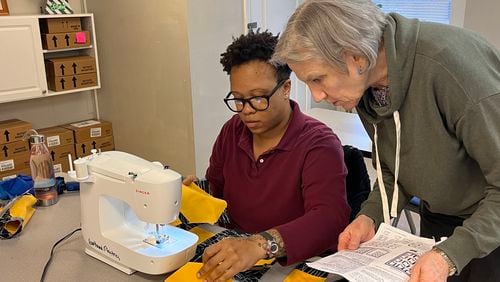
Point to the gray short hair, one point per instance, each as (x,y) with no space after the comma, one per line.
(325,29)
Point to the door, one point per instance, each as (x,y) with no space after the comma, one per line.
(22,73)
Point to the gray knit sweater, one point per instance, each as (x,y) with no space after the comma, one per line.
(445,83)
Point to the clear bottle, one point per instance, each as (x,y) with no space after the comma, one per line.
(42,171)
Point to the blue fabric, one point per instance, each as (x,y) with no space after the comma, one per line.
(11,188)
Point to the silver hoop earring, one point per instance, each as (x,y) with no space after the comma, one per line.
(360,71)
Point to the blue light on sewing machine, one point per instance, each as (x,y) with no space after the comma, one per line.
(175,242)
(159,239)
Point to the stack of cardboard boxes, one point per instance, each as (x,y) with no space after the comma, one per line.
(92,134)
(75,139)
(15,152)
(63,33)
(60,143)
(67,73)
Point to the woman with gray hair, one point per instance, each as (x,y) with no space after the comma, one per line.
(429,97)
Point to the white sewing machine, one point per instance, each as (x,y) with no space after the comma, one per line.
(126,205)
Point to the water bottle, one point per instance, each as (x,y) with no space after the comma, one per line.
(42,171)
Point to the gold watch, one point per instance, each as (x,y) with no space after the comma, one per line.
(452,269)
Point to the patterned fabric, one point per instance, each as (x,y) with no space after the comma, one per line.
(251,275)
(58,7)
(314,272)
(381,95)
(185,223)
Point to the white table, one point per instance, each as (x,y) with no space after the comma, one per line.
(347,126)
(23,257)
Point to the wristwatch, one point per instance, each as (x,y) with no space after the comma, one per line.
(272,247)
(452,269)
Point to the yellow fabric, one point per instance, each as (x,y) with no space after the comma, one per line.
(202,234)
(186,273)
(264,262)
(200,207)
(189,270)
(175,223)
(21,209)
(300,276)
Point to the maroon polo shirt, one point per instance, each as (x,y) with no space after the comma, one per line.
(297,188)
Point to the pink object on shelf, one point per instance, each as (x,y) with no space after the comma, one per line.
(81,37)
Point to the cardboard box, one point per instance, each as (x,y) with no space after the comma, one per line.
(15,173)
(58,25)
(13,130)
(89,130)
(62,166)
(53,41)
(64,83)
(14,149)
(60,153)
(70,65)
(57,136)
(16,163)
(105,144)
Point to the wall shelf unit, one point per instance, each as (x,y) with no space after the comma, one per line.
(23,71)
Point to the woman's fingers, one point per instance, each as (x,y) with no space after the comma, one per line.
(189,179)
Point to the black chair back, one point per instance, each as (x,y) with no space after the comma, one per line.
(357,181)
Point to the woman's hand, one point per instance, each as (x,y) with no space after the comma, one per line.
(189,179)
(430,267)
(360,230)
(223,260)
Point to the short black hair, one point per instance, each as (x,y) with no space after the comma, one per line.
(253,46)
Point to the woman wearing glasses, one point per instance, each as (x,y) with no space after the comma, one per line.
(280,171)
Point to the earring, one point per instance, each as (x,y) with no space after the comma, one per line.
(360,71)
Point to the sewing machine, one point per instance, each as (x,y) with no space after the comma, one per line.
(126,205)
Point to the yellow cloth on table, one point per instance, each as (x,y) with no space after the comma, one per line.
(20,213)
(300,276)
(200,207)
(186,273)
(202,234)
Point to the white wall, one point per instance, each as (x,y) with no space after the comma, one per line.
(146,87)
(211,27)
(457,14)
(482,17)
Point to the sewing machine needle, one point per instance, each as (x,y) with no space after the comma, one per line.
(157,234)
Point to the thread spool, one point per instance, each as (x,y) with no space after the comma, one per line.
(82,171)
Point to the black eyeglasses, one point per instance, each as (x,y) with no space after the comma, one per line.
(258,103)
